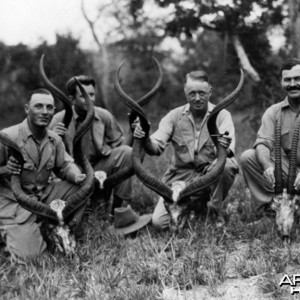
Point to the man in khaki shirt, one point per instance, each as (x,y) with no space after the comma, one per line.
(104,141)
(44,152)
(258,163)
(186,128)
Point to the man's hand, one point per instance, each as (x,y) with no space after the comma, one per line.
(79,178)
(13,167)
(269,175)
(60,129)
(224,141)
(138,132)
(297,182)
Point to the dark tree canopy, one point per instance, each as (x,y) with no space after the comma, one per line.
(19,71)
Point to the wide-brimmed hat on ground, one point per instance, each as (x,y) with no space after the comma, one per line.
(126,221)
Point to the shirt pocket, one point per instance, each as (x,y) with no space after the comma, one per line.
(28,166)
(179,144)
(50,163)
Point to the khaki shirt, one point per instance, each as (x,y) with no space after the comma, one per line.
(178,128)
(40,160)
(266,132)
(104,135)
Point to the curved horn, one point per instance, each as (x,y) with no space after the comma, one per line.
(213,175)
(147,179)
(125,173)
(144,100)
(29,202)
(118,177)
(58,94)
(129,102)
(81,196)
(292,161)
(278,165)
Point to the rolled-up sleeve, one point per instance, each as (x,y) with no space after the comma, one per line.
(162,136)
(266,132)
(225,123)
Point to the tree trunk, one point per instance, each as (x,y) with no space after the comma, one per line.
(104,59)
(245,63)
(105,75)
(294,28)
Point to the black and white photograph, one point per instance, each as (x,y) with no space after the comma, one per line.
(149,149)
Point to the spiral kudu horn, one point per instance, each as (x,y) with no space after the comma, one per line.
(278,164)
(125,173)
(292,159)
(80,197)
(57,94)
(138,145)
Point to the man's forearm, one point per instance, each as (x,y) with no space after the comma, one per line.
(150,147)
(3,171)
(263,155)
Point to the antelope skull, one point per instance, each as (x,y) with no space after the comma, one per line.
(101,176)
(285,206)
(178,213)
(62,235)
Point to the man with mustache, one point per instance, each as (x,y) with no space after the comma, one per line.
(258,163)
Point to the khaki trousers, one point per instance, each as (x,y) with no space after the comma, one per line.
(118,159)
(219,191)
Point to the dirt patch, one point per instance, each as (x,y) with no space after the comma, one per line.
(232,289)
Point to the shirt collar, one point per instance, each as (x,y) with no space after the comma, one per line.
(76,115)
(285,102)
(26,133)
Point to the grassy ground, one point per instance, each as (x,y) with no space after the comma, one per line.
(144,266)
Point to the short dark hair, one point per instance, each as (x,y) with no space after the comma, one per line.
(38,91)
(289,63)
(197,75)
(83,79)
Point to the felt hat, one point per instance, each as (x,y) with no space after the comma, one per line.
(126,221)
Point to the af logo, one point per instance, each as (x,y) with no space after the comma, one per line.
(292,282)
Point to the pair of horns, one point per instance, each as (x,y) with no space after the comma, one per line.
(152,182)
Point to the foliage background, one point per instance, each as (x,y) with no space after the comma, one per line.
(108,267)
